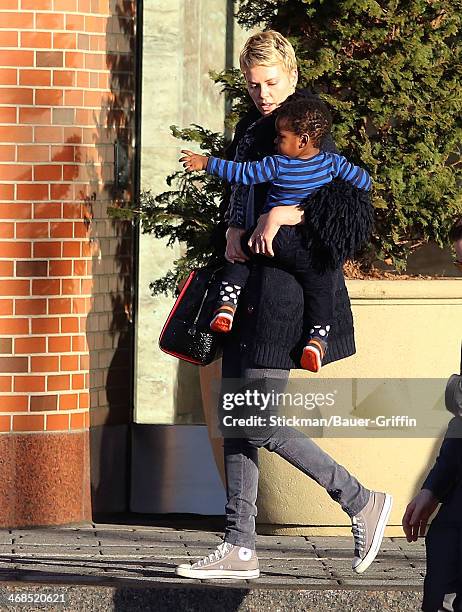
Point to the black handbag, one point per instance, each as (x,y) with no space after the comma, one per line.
(186,333)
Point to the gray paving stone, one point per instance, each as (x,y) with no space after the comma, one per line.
(347,543)
(54,538)
(413,554)
(400,554)
(5,536)
(285,541)
(403,544)
(298,582)
(231,583)
(146,556)
(149,539)
(197,536)
(309,572)
(376,572)
(331,542)
(55,551)
(143,553)
(6,564)
(286,553)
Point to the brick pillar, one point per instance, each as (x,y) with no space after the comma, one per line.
(57,131)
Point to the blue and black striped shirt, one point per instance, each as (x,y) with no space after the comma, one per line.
(292,178)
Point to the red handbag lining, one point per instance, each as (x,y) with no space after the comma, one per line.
(172,312)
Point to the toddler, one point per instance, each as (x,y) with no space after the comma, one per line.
(299,169)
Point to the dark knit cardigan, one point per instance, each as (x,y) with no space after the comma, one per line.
(269,321)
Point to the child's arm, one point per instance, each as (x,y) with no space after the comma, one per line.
(193,161)
(349,172)
(245,173)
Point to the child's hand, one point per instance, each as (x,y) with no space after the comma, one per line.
(193,161)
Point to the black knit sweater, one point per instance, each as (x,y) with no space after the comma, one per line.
(269,320)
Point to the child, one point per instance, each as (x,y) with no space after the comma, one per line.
(443,580)
(298,170)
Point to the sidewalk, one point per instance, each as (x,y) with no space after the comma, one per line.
(127,568)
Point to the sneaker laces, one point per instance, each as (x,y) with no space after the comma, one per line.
(359,534)
(217,554)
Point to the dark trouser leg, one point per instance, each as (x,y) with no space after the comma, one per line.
(235,273)
(443,579)
(318,293)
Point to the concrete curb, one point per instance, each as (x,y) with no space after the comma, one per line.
(209,598)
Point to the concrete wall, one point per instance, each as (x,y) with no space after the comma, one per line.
(183,40)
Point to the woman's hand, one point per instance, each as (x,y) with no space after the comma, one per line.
(261,241)
(193,161)
(234,250)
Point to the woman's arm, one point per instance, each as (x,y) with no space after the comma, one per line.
(261,241)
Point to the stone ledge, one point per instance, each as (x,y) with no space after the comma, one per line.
(411,289)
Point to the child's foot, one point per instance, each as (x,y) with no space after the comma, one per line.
(313,354)
(223,316)
(222,321)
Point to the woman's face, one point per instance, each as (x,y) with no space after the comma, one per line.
(269,86)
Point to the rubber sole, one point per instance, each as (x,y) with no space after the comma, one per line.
(311,359)
(188,572)
(378,536)
(222,323)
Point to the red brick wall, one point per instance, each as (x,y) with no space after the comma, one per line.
(66,94)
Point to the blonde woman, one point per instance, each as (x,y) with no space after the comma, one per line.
(267,336)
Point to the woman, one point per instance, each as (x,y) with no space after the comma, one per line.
(265,342)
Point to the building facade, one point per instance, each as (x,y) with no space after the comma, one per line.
(88,90)
(67,112)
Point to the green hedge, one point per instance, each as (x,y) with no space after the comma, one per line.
(391,72)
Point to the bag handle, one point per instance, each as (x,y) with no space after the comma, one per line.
(192,329)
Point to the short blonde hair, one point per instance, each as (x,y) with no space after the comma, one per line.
(267,49)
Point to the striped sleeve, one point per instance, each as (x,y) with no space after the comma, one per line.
(355,175)
(245,173)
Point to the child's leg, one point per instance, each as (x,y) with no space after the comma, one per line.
(318,295)
(233,280)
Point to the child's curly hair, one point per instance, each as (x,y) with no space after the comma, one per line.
(307,116)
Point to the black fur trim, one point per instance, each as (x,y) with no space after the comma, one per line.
(338,222)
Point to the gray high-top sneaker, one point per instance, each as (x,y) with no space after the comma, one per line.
(227,561)
(368,527)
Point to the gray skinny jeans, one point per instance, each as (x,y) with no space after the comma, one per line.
(241,459)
